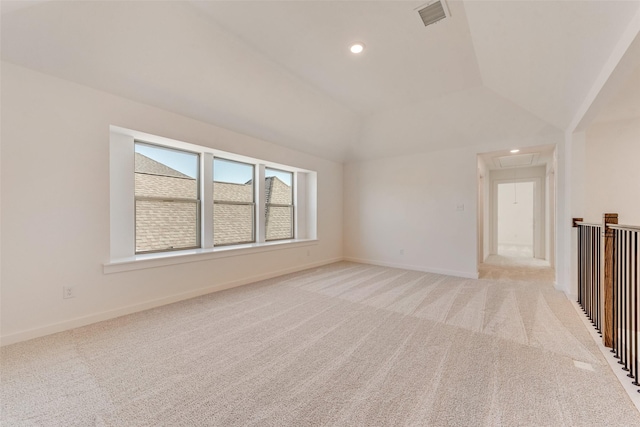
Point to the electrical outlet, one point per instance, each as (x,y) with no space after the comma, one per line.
(401,251)
(68,292)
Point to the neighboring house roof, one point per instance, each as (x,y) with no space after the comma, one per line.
(232,223)
(278,219)
(230,192)
(162,225)
(277,192)
(166,225)
(144,164)
(155,179)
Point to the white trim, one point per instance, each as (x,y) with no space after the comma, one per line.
(206,232)
(260,198)
(160,259)
(300,210)
(194,148)
(311,205)
(464,274)
(122,195)
(111,314)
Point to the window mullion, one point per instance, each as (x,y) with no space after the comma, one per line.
(206,166)
(299,210)
(261,204)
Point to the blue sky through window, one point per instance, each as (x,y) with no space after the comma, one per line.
(223,170)
(285,177)
(182,161)
(230,171)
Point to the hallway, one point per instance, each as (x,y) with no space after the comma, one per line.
(499,267)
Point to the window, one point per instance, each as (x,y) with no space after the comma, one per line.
(279,204)
(233,202)
(172,202)
(167,205)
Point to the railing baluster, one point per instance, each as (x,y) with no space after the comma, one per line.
(625,338)
(612,305)
(581,266)
(594,290)
(590,278)
(629,302)
(623,303)
(598,277)
(589,270)
(635,307)
(635,303)
(616,293)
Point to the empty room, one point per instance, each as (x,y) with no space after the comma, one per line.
(341,213)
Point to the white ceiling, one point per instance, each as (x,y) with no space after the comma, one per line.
(625,104)
(404,61)
(281,70)
(527,157)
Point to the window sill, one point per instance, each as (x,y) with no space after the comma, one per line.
(139,262)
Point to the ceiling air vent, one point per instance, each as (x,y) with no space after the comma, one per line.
(433,12)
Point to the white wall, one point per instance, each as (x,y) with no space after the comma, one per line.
(483,210)
(410,204)
(565,234)
(550,212)
(486,224)
(515,214)
(612,173)
(536,174)
(603,176)
(403,211)
(55,208)
(569,201)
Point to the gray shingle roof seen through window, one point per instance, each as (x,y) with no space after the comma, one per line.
(163,224)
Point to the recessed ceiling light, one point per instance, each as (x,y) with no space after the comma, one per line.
(515,151)
(357,48)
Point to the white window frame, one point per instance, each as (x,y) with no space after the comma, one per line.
(122,206)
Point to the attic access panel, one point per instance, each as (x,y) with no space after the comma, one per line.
(516,161)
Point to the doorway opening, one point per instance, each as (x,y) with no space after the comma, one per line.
(516,214)
(515,219)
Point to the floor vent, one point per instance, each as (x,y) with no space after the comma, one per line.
(433,12)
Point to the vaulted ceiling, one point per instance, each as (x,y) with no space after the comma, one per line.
(281,70)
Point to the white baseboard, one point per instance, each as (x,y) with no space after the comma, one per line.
(111,314)
(465,274)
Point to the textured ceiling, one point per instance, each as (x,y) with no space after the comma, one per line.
(281,71)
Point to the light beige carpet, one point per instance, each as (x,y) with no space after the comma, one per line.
(529,269)
(346,344)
